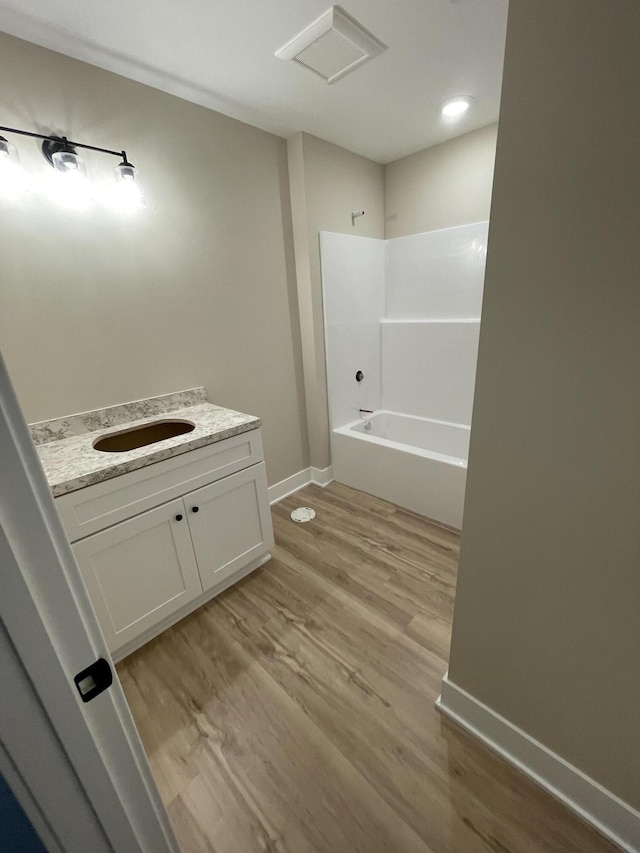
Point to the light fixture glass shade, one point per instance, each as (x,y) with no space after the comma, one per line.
(8,152)
(126,172)
(68,162)
(12,179)
(69,186)
(129,195)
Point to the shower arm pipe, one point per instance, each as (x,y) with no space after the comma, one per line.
(68,142)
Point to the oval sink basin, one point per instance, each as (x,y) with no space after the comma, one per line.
(130,439)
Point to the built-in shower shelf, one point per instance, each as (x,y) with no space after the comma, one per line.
(438,320)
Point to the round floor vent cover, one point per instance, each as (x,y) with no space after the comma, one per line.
(303,513)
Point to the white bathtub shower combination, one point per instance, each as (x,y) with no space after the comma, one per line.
(405,312)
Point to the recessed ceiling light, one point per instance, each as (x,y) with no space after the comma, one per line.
(456,107)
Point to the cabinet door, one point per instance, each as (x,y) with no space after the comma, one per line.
(139,572)
(230,524)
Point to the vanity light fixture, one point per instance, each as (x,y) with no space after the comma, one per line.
(61,153)
(456,107)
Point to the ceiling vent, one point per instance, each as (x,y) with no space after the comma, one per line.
(332,46)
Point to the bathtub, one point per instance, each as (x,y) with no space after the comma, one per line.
(417,463)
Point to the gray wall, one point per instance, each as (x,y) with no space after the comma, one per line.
(199,289)
(443,186)
(547,610)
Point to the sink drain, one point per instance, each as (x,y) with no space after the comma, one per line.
(303,513)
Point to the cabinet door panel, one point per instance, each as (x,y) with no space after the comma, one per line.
(232,524)
(140,571)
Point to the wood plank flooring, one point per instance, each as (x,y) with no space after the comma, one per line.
(295,712)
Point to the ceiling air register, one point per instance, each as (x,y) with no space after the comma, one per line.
(332,46)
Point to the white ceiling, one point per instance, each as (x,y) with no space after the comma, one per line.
(220,53)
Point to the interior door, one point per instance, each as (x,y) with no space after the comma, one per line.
(52,634)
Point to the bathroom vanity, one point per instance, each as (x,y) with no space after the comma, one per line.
(170,514)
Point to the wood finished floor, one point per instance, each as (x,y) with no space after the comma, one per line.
(295,712)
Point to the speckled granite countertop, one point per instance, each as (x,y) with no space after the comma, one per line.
(65,445)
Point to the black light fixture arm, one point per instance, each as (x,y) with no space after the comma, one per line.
(67,144)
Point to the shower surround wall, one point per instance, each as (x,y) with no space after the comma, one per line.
(406,312)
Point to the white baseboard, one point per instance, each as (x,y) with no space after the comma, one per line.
(319,476)
(322,476)
(599,807)
(280,491)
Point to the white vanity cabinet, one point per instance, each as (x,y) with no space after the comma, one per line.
(156,543)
